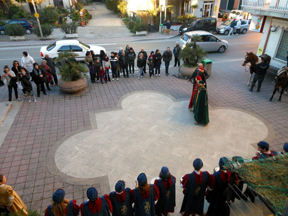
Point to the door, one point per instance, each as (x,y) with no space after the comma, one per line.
(204,43)
(65,48)
(212,43)
(198,25)
(79,51)
(207,24)
(207,9)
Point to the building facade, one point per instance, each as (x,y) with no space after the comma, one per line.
(272,16)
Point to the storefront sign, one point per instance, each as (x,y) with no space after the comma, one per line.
(256,23)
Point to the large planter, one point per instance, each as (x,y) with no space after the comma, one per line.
(141,33)
(186,71)
(72,87)
(17,38)
(223,19)
(71,35)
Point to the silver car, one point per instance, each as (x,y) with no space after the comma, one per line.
(209,42)
(224,28)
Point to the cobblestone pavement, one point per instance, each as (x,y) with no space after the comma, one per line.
(37,127)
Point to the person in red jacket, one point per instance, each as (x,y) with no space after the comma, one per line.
(166,186)
(96,205)
(121,200)
(62,206)
(145,196)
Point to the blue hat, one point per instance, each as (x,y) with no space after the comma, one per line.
(263,144)
(142,179)
(58,195)
(197,164)
(223,162)
(164,172)
(92,194)
(120,186)
(285,147)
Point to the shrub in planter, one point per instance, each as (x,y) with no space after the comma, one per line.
(14,30)
(70,28)
(48,15)
(46,30)
(87,15)
(75,16)
(131,24)
(140,27)
(79,6)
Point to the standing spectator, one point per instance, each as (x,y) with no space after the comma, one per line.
(127,49)
(16,68)
(260,72)
(114,64)
(123,61)
(232,26)
(102,56)
(39,79)
(157,62)
(92,72)
(167,57)
(168,24)
(62,206)
(97,65)
(11,82)
(238,26)
(26,84)
(121,50)
(195,185)
(27,62)
(140,64)
(118,64)
(106,66)
(121,200)
(10,200)
(51,64)
(101,73)
(176,52)
(151,67)
(165,23)
(166,186)
(131,58)
(96,205)
(144,57)
(145,196)
(88,58)
(47,70)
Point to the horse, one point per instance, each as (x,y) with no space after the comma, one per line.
(281,81)
(252,59)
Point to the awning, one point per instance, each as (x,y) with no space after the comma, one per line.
(280,23)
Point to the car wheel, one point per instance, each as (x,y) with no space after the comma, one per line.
(221,49)
(2,32)
(28,31)
(244,31)
(226,32)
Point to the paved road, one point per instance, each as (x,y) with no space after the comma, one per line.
(238,45)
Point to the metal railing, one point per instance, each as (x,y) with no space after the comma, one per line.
(279,5)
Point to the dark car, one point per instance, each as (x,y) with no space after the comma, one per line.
(222,12)
(204,23)
(25,23)
(185,25)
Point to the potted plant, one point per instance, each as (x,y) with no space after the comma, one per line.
(15,31)
(224,18)
(141,28)
(191,55)
(70,29)
(46,30)
(72,73)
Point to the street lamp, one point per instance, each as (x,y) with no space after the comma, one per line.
(37,18)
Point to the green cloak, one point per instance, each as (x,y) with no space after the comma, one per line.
(201,111)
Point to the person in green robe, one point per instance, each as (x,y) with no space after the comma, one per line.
(201,111)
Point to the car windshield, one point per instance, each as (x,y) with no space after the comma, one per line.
(227,23)
(85,46)
(51,46)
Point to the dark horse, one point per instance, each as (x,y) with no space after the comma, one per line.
(281,81)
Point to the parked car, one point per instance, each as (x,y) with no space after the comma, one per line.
(74,46)
(185,25)
(224,28)
(25,23)
(204,23)
(236,14)
(222,12)
(209,42)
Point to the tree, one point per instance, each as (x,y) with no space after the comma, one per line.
(122,8)
(153,14)
(194,7)
(37,2)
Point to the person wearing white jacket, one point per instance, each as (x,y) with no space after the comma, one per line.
(27,62)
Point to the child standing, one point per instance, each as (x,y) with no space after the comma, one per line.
(92,71)
(114,64)
(106,66)
(151,67)
(101,74)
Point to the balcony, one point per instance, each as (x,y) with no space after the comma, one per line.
(275,8)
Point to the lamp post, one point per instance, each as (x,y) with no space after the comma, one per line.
(37,18)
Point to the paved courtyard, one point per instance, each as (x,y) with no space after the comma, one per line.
(117,130)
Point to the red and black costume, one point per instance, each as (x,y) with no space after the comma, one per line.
(101,205)
(122,202)
(71,210)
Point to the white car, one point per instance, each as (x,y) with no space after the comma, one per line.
(209,42)
(74,46)
(236,14)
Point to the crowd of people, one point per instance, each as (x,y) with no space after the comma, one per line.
(149,199)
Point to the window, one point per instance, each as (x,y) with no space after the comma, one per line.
(199,24)
(186,37)
(64,48)
(282,48)
(13,22)
(205,38)
(213,21)
(21,22)
(84,45)
(243,23)
(75,48)
(212,39)
(206,22)
(51,46)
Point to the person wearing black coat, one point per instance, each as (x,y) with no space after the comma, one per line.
(157,62)
(131,58)
(141,62)
(167,57)
(123,61)
(260,72)
(16,68)
(51,64)
(39,78)
(144,57)
(26,84)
